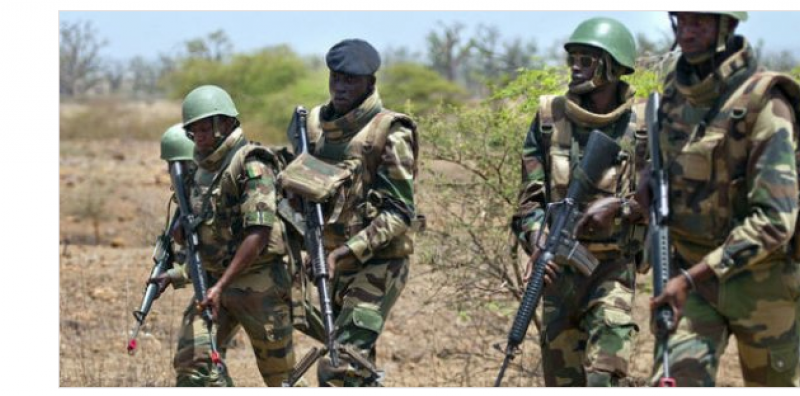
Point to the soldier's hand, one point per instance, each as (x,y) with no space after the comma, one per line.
(599,215)
(338,254)
(675,293)
(213,297)
(177,236)
(162,281)
(643,194)
(551,269)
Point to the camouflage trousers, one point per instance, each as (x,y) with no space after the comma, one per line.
(587,327)
(363,296)
(258,302)
(759,307)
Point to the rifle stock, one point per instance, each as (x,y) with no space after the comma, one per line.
(601,153)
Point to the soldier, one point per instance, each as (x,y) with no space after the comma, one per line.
(241,246)
(728,140)
(368,233)
(587,330)
(175,146)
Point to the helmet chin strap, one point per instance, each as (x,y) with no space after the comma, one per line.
(218,136)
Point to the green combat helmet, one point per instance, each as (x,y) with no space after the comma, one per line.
(618,46)
(724,32)
(175,146)
(207,101)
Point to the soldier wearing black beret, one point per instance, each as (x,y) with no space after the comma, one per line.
(369,240)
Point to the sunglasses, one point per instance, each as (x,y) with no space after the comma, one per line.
(581,59)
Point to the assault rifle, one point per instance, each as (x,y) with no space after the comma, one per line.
(314,223)
(659,235)
(163,258)
(601,153)
(188,223)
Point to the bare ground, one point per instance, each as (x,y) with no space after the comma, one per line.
(124,186)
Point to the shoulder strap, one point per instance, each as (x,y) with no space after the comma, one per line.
(375,141)
(756,94)
(543,135)
(314,129)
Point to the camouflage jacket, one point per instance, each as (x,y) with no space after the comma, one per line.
(374,218)
(234,189)
(554,145)
(733,184)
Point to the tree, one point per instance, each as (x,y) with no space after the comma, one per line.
(80,66)
(114,74)
(415,88)
(447,50)
(394,55)
(499,60)
(144,76)
(646,47)
(265,85)
(216,47)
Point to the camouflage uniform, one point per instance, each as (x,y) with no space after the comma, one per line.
(372,219)
(587,328)
(733,201)
(241,191)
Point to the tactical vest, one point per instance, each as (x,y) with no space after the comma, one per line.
(563,153)
(216,199)
(361,153)
(708,186)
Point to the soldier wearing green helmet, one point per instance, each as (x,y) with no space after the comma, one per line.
(176,146)
(587,330)
(729,141)
(233,196)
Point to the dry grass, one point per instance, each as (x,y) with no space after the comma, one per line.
(111,118)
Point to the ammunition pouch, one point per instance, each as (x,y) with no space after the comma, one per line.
(312,178)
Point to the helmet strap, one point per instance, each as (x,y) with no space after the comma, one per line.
(722,32)
(673,22)
(218,136)
(600,77)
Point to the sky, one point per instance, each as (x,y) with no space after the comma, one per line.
(148,33)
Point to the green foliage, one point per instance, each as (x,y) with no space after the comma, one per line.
(795,73)
(645,81)
(474,155)
(472,177)
(530,85)
(266,86)
(418,86)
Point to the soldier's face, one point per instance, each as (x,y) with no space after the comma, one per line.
(202,132)
(347,91)
(696,33)
(582,62)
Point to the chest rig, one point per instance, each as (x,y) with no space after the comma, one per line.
(358,150)
(707,151)
(564,140)
(216,199)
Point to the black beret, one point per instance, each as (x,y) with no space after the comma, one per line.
(353,56)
